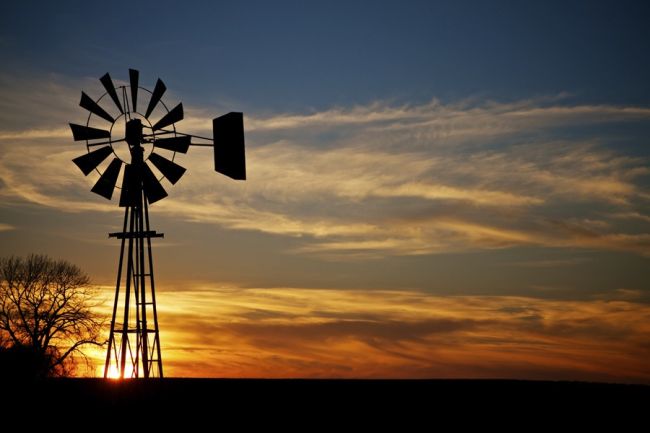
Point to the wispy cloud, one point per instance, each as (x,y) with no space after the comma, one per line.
(36,133)
(350,333)
(468,117)
(632,216)
(5,227)
(573,261)
(382,179)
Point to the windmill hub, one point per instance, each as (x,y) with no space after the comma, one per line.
(123,142)
(133,135)
(134,340)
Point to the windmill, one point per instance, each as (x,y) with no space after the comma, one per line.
(139,149)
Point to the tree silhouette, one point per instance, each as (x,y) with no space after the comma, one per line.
(46,316)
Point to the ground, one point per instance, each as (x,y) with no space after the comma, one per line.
(313,404)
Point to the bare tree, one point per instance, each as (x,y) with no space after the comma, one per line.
(46,311)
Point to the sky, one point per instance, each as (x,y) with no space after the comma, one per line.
(435,188)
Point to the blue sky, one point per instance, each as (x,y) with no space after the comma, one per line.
(440,148)
(300,55)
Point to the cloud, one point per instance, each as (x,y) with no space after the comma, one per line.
(290,332)
(371,181)
(461,118)
(632,216)
(36,133)
(549,263)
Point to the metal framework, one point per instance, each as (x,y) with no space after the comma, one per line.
(134,348)
(139,287)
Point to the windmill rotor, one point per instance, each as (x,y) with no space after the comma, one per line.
(119,104)
(132,119)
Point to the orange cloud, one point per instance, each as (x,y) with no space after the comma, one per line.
(400,334)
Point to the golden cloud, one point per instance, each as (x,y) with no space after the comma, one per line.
(377,180)
(289,332)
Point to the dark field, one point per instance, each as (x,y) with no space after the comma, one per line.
(377,400)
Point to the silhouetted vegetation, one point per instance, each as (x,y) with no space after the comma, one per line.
(46,317)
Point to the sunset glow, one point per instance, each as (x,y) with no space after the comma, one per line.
(232,332)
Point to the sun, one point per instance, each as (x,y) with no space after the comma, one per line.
(114,373)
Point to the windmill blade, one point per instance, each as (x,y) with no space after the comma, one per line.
(110,89)
(133,77)
(81,132)
(129,195)
(106,183)
(93,107)
(91,160)
(153,190)
(169,169)
(158,92)
(172,117)
(176,144)
(229,154)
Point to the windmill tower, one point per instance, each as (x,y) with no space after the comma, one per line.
(136,145)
